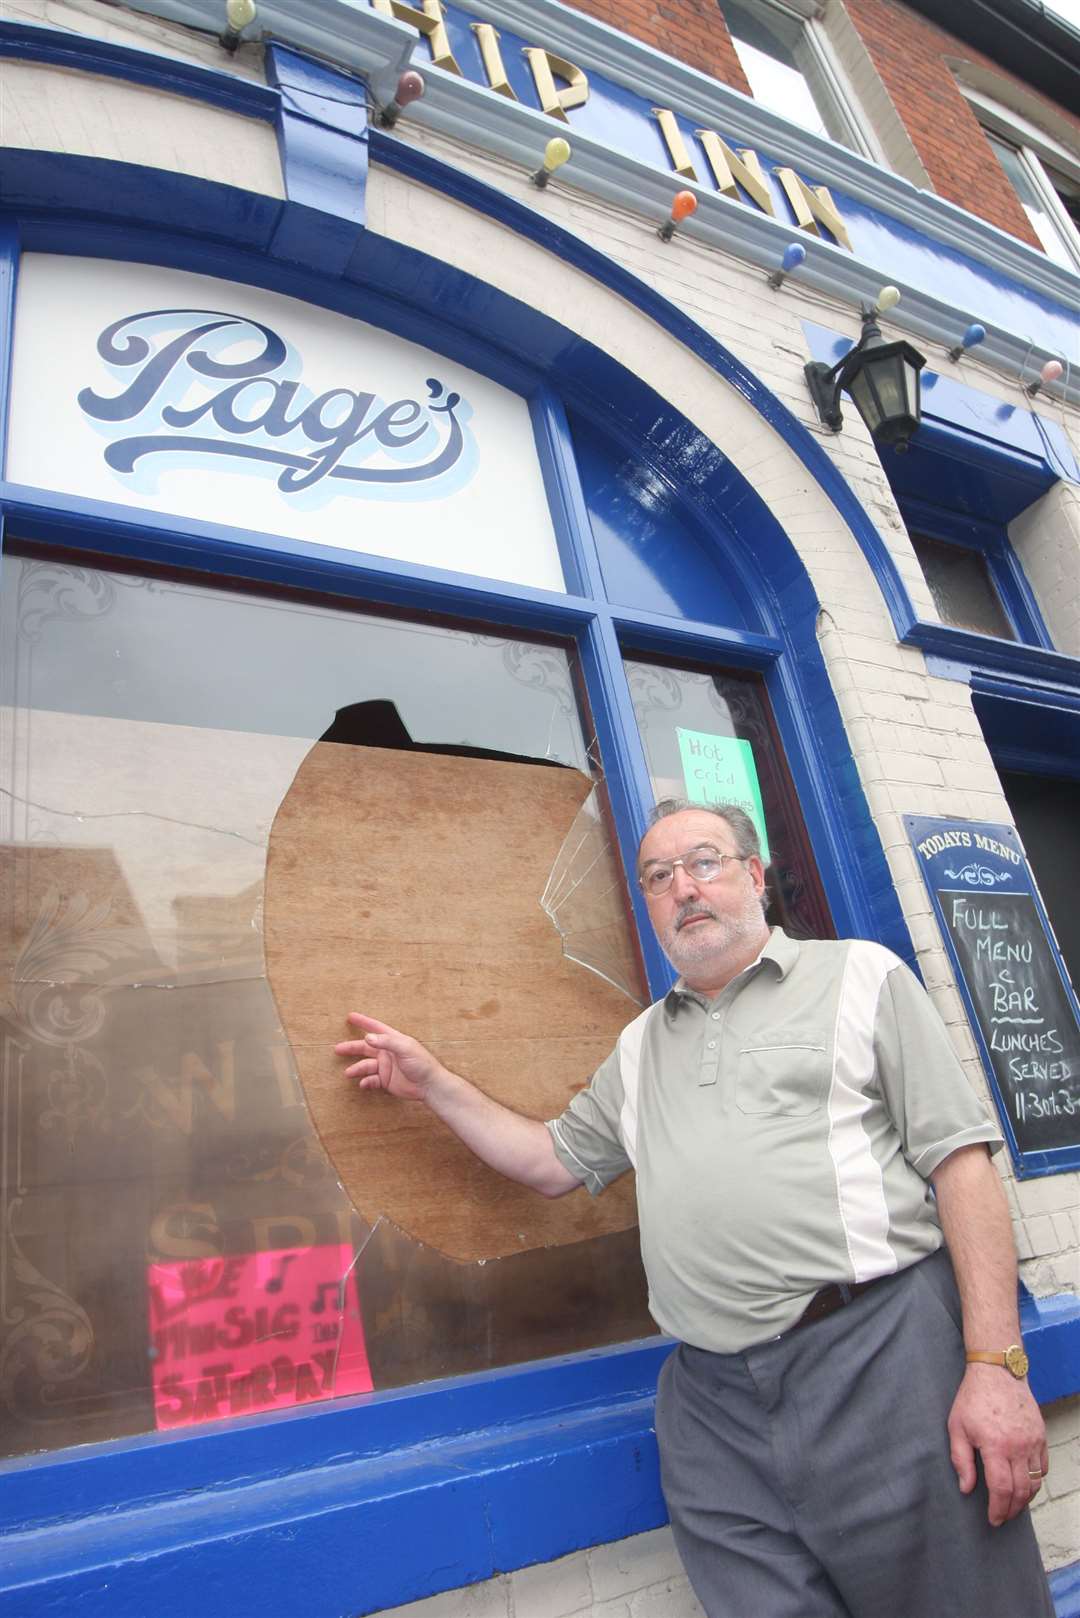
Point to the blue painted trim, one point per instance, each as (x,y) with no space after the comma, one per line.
(1065,1589)
(1018,596)
(129,1471)
(97,525)
(51,224)
(629,785)
(1051,1328)
(94,525)
(309,1511)
(943,522)
(656,633)
(1033,761)
(566,502)
(1057,698)
(53,193)
(323,140)
(626,775)
(387,269)
(962,424)
(970,652)
(83,54)
(9,278)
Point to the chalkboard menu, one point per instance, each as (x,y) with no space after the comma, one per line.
(1023,1009)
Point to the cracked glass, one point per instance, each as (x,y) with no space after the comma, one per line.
(231,817)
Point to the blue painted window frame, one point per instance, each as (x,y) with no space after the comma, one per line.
(510,1466)
(991,542)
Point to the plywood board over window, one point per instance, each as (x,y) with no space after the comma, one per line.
(408,885)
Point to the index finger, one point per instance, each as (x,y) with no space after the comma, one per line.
(369,1024)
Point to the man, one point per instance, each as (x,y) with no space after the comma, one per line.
(788,1107)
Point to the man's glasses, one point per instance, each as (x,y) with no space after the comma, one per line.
(702,864)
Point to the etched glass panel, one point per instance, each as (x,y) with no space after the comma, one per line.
(961,587)
(228,819)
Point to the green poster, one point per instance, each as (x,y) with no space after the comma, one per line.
(721,769)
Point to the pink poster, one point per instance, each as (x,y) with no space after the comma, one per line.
(254,1331)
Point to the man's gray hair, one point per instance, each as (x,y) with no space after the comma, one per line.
(742,827)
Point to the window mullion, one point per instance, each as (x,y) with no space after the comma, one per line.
(566,499)
(626,771)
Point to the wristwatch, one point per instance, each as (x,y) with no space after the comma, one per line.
(1012,1358)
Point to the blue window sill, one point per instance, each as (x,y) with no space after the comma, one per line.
(1065,1589)
(348,1507)
(341,1508)
(1051,1328)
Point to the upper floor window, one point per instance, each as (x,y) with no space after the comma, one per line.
(1044,174)
(962,587)
(1050,199)
(787,63)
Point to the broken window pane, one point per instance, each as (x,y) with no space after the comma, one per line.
(585,900)
(229,818)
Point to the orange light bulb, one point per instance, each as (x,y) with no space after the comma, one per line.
(683,206)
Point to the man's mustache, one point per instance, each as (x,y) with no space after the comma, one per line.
(693,907)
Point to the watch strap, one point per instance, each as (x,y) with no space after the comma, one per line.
(1013,1358)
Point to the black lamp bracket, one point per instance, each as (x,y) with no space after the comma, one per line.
(826,382)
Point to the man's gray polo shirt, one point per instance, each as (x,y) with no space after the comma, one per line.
(782,1135)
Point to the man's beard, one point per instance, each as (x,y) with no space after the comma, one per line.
(705,942)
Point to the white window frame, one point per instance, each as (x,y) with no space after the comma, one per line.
(821,71)
(1035,146)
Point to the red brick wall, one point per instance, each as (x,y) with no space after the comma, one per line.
(909,53)
(691,30)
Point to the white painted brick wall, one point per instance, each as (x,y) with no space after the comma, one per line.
(49,108)
(1046,539)
(640,1577)
(99,19)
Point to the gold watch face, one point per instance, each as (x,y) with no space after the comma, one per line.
(1016,1360)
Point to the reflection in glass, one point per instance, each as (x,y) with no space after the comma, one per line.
(710,738)
(961,587)
(1042,222)
(228,818)
(584,898)
(780,65)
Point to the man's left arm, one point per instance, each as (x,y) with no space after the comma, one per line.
(993,1412)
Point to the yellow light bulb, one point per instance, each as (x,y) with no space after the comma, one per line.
(556,153)
(239,13)
(888,298)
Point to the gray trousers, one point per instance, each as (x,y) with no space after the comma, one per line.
(809,1477)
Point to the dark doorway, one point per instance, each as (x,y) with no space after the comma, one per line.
(1047,811)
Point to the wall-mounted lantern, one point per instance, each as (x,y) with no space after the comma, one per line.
(883,380)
